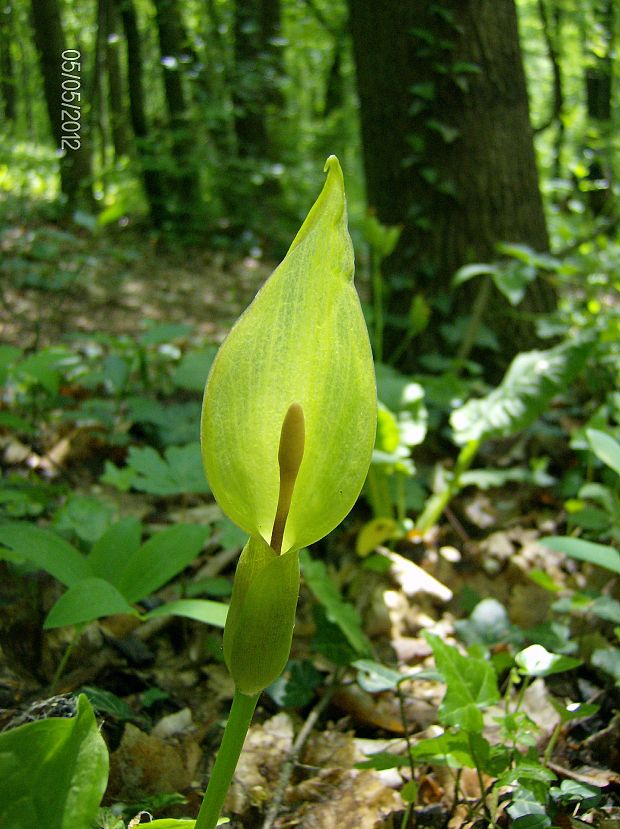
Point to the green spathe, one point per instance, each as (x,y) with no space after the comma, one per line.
(261,617)
(302,340)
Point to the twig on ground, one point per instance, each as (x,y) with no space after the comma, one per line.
(289,764)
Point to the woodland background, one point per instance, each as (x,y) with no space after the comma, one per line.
(480,146)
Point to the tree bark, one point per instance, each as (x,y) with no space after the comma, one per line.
(116,107)
(257,72)
(75,165)
(184,180)
(153,188)
(7,68)
(448,149)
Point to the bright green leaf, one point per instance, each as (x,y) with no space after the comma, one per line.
(53,772)
(337,610)
(46,550)
(161,558)
(201,610)
(605,448)
(114,549)
(599,554)
(89,599)
(471,685)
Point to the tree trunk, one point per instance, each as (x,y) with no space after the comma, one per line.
(75,164)
(448,150)
(184,181)
(258,70)
(116,108)
(7,68)
(598,83)
(153,188)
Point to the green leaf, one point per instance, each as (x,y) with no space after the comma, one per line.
(455,749)
(86,516)
(468,272)
(599,554)
(53,772)
(530,383)
(114,549)
(374,677)
(538,661)
(201,610)
(297,686)
(173,823)
(160,559)
(89,599)
(471,685)
(46,550)
(105,702)
(302,340)
(605,448)
(608,660)
(164,333)
(121,479)
(192,371)
(178,472)
(383,760)
(337,610)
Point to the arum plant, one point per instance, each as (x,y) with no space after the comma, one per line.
(287,431)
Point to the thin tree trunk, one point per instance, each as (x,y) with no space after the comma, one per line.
(172,45)
(7,67)
(153,188)
(75,165)
(118,118)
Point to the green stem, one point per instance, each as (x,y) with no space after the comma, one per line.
(479,306)
(77,632)
(437,503)
(239,719)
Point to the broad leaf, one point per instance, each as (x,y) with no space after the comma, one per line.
(46,550)
(110,554)
(53,772)
(89,599)
(530,383)
(471,685)
(605,448)
(201,610)
(599,554)
(162,557)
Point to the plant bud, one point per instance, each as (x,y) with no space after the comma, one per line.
(261,617)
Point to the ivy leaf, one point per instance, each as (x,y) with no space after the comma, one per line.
(471,685)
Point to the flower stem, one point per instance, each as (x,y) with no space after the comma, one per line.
(239,720)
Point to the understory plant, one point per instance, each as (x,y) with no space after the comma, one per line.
(287,431)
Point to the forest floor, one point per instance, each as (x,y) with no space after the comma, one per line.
(167,689)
